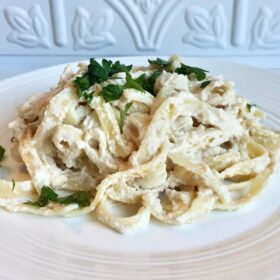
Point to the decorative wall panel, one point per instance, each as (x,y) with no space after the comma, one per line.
(219,28)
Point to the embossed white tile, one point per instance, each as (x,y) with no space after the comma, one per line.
(147,33)
(59,22)
(266,29)
(207,28)
(28,28)
(63,28)
(92,31)
(239,22)
(148,6)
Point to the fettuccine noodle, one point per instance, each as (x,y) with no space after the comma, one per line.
(180,154)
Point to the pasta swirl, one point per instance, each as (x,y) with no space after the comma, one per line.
(183,151)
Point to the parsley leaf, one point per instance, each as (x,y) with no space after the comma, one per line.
(88,96)
(14,184)
(2,152)
(123,115)
(111,92)
(101,72)
(205,84)
(148,83)
(48,194)
(131,83)
(249,106)
(98,73)
(80,198)
(143,81)
(152,80)
(159,62)
(83,84)
(117,67)
(192,71)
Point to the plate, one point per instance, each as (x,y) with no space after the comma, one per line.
(244,244)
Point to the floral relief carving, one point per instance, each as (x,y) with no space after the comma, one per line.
(208,29)
(147,34)
(148,6)
(266,30)
(29,29)
(91,31)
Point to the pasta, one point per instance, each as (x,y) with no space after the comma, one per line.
(186,147)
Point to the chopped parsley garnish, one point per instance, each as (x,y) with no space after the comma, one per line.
(80,198)
(114,92)
(152,79)
(83,84)
(111,92)
(198,73)
(159,62)
(205,84)
(142,80)
(14,184)
(88,96)
(98,73)
(131,83)
(2,152)
(123,115)
(148,83)
(48,194)
(249,106)
(101,72)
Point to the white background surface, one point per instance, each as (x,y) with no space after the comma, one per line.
(40,33)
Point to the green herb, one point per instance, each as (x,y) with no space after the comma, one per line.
(117,67)
(192,71)
(131,83)
(14,184)
(148,83)
(80,198)
(88,97)
(2,152)
(111,92)
(48,194)
(160,62)
(152,80)
(123,115)
(249,106)
(102,72)
(98,73)
(142,80)
(114,92)
(205,84)
(83,84)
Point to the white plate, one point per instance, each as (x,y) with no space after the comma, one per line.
(225,245)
